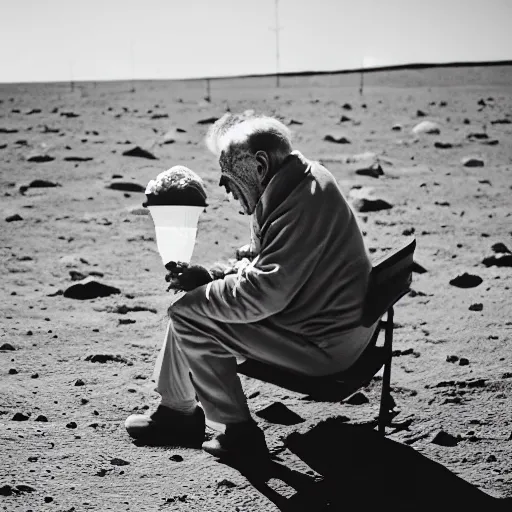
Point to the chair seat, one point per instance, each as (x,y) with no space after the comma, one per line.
(326,388)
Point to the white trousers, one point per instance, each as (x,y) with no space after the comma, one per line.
(199,358)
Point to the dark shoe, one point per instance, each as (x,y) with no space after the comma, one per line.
(167,427)
(240,440)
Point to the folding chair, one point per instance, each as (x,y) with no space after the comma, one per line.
(390,280)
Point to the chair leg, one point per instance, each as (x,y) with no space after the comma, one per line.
(386,379)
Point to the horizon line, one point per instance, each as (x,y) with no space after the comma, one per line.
(393,67)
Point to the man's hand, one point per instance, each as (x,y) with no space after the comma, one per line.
(245,252)
(182,277)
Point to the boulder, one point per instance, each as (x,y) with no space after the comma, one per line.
(40,158)
(442,438)
(126,186)
(466,281)
(364,200)
(139,152)
(89,288)
(428,127)
(78,158)
(443,145)
(13,218)
(279,413)
(374,170)
(208,120)
(338,138)
(471,161)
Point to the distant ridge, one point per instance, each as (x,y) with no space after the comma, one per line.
(374,69)
(395,67)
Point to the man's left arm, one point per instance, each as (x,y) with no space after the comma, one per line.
(290,253)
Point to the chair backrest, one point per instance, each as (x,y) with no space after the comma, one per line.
(389,281)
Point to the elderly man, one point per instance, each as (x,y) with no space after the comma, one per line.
(296,305)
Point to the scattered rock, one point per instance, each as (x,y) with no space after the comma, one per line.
(295,121)
(78,158)
(491,458)
(345,119)
(176,458)
(19,416)
(443,145)
(159,116)
(105,358)
(42,418)
(476,307)
(69,114)
(397,127)
(89,288)
(463,361)
(126,186)
(363,200)
(71,424)
(13,371)
(139,211)
(466,281)
(139,152)
(40,158)
(279,413)
(374,171)
(25,488)
(79,382)
(6,490)
(226,483)
(48,499)
(126,321)
(500,248)
(337,138)
(208,120)
(357,399)
(119,462)
(501,121)
(428,127)
(452,359)
(478,135)
(6,346)
(420,113)
(417,268)
(47,129)
(346,106)
(498,260)
(442,438)
(8,130)
(470,161)
(72,260)
(491,142)
(76,276)
(13,218)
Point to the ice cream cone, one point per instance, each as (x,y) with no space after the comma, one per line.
(176,230)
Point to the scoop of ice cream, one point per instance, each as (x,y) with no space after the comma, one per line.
(177,186)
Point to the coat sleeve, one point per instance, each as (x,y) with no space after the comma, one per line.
(290,251)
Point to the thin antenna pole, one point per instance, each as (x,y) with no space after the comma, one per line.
(361,83)
(208,91)
(277,43)
(132,61)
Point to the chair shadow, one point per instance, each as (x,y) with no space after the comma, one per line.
(361,468)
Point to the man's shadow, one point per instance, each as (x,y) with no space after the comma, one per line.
(362,469)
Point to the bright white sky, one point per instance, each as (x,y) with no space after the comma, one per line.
(51,40)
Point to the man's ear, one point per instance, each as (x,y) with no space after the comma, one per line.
(263,166)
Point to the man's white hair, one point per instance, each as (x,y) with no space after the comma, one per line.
(257,132)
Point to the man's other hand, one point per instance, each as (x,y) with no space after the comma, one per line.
(185,277)
(246,251)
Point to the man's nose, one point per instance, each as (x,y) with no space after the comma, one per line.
(224,183)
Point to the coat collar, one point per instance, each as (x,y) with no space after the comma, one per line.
(293,170)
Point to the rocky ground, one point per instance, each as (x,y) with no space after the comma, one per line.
(84,302)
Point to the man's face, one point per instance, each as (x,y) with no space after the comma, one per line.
(239,177)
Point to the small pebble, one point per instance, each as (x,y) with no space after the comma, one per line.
(79,382)
(71,424)
(463,361)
